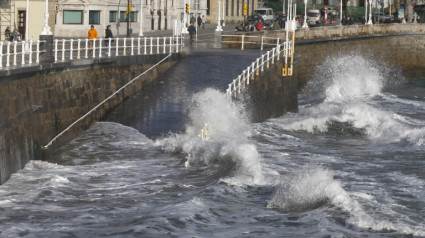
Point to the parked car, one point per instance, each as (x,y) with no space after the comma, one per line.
(281,19)
(267,15)
(313,15)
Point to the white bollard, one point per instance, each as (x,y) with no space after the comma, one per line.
(23,52)
(15,53)
(262,41)
(171,44)
(239,84)
(124,46)
(157,45)
(71,49)
(243,37)
(165,45)
(78,48)
(117,48)
(145,45)
(63,49)
(56,50)
(94,48)
(151,45)
(30,56)
(8,55)
(38,52)
(132,46)
(138,45)
(87,48)
(100,47)
(109,47)
(1,54)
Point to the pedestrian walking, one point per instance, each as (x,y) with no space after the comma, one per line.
(192,31)
(204,20)
(92,34)
(199,20)
(108,35)
(8,34)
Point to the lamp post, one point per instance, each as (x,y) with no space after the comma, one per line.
(26,19)
(305,15)
(46,27)
(218,22)
(283,8)
(224,24)
(340,15)
(141,19)
(365,13)
(370,13)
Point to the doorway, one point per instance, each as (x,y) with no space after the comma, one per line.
(22,16)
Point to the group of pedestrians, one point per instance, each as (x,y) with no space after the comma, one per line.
(200,21)
(92,34)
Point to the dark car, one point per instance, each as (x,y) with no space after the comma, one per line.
(382,18)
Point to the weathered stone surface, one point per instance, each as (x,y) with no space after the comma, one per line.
(36,107)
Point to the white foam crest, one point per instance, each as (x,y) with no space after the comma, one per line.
(314,186)
(227,138)
(351,77)
(41,165)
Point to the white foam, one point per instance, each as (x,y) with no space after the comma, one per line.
(227,140)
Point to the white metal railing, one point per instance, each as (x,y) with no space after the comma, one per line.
(69,49)
(19,53)
(285,48)
(244,40)
(281,51)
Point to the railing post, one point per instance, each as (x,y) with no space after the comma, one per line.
(252,73)
(145,45)
(151,45)
(132,46)
(38,52)
(56,50)
(262,41)
(117,48)
(15,53)
(30,56)
(171,44)
(71,50)
(262,63)
(23,52)
(165,45)
(94,48)
(239,84)
(1,55)
(138,45)
(278,49)
(273,55)
(268,58)
(247,75)
(100,47)
(258,66)
(63,49)
(8,55)
(157,45)
(109,47)
(177,44)
(87,48)
(243,78)
(78,48)
(243,38)
(234,87)
(124,46)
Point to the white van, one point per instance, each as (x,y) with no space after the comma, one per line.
(266,14)
(313,15)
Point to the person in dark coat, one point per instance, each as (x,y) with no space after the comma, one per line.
(8,34)
(199,21)
(108,34)
(192,31)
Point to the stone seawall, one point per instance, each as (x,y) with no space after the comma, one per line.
(38,105)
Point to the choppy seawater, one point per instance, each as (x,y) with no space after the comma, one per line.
(349,164)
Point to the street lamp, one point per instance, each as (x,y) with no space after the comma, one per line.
(224,24)
(340,15)
(305,15)
(218,22)
(46,27)
(370,13)
(141,19)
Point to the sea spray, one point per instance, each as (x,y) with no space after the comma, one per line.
(227,140)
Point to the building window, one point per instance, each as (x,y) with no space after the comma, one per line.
(94,17)
(112,16)
(227,7)
(72,17)
(123,16)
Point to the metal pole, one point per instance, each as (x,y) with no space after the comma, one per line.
(141,20)
(26,20)
(305,15)
(224,24)
(218,18)
(340,15)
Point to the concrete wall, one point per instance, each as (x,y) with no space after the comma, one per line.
(36,106)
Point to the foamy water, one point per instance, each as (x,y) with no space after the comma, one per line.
(349,164)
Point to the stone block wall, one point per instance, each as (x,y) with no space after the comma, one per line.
(37,106)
